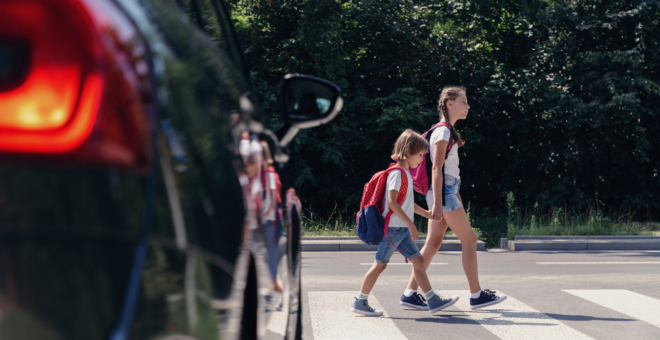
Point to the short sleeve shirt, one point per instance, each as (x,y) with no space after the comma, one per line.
(451,163)
(265,203)
(408,206)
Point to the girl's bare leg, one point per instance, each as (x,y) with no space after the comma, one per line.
(460,225)
(436,231)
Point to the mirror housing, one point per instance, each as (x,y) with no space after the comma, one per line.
(308,101)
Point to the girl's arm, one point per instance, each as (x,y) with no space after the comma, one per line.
(421,211)
(459,197)
(272,194)
(398,211)
(439,151)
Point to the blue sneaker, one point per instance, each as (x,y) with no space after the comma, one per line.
(361,306)
(487,298)
(415,301)
(437,303)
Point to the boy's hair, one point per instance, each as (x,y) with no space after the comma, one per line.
(268,159)
(409,143)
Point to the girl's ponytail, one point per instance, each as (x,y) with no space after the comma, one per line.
(450,93)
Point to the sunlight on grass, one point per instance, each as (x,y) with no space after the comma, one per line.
(489,228)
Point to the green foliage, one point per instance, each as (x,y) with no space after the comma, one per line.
(564,94)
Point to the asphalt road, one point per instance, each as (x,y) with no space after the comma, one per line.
(551,295)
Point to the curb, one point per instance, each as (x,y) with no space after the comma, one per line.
(351,243)
(581,243)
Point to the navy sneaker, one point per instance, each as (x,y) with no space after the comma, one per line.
(415,301)
(487,298)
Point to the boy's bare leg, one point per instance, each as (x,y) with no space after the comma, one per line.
(461,227)
(433,242)
(420,273)
(372,276)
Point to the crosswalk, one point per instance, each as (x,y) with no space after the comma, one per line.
(513,319)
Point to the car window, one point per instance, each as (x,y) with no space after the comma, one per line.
(212,17)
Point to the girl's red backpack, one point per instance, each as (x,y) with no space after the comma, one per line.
(421,175)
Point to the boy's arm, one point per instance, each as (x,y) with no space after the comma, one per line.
(398,211)
(273,196)
(421,211)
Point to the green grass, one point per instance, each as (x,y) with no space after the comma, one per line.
(340,225)
(490,228)
(562,222)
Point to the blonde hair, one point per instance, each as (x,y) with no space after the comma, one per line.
(268,159)
(409,143)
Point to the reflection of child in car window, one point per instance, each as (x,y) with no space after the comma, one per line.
(308,106)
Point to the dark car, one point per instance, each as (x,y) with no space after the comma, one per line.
(125,207)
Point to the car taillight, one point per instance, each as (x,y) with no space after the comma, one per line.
(74,84)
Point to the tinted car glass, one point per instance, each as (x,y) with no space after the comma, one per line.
(212,16)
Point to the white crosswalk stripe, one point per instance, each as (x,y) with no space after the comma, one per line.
(625,302)
(332,319)
(510,320)
(513,319)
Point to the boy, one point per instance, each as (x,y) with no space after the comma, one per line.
(409,149)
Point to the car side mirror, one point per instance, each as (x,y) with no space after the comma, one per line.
(306,102)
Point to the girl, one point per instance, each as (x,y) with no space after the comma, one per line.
(452,106)
(269,216)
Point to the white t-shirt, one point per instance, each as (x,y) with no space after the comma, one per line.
(265,203)
(451,163)
(408,206)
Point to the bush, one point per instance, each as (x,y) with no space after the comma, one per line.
(564,94)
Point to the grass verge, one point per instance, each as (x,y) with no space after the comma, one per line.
(489,228)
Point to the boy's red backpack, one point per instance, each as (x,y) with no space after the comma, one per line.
(421,175)
(371,226)
(278,184)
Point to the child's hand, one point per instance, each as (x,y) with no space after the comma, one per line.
(436,212)
(414,235)
(427,214)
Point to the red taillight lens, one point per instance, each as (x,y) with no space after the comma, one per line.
(73,85)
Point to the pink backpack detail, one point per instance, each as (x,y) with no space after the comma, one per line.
(422,173)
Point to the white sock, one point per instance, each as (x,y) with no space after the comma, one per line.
(409,292)
(476,295)
(429,294)
(363,296)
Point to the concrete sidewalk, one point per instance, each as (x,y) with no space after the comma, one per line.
(353,243)
(522,243)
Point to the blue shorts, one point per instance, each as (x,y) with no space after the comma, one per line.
(402,239)
(452,184)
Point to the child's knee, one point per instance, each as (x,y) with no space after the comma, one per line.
(435,243)
(418,262)
(380,267)
(470,240)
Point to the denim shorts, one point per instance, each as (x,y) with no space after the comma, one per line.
(452,184)
(402,239)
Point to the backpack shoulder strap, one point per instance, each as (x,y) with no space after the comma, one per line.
(451,139)
(403,190)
